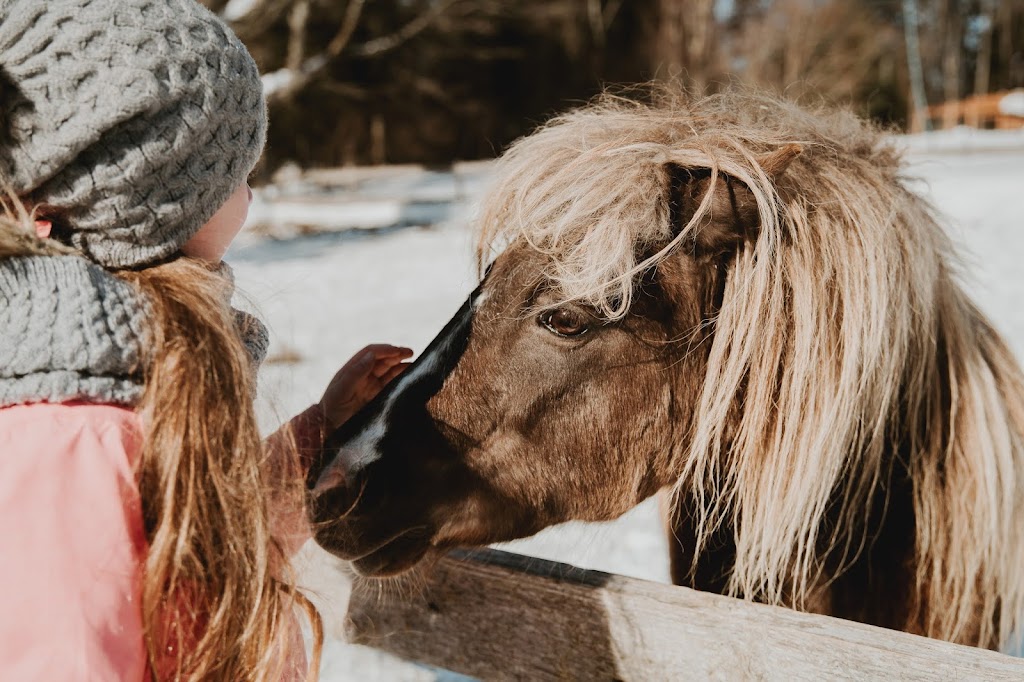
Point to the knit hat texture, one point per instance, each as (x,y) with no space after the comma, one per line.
(131,121)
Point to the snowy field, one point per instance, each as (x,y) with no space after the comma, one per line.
(324,296)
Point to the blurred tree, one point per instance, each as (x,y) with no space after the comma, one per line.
(839,50)
(432,81)
(681,39)
(1008,34)
(416,80)
(947,49)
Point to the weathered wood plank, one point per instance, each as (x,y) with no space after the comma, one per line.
(501,616)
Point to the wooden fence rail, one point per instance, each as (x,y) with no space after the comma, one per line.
(500,616)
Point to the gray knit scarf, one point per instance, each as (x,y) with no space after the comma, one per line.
(70,330)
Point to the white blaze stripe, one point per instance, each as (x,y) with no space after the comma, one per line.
(363,449)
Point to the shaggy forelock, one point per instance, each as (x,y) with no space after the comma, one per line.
(837,325)
(591,188)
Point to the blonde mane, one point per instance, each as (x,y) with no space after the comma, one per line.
(844,342)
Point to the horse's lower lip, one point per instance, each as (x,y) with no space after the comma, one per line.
(338,539)
(396,556)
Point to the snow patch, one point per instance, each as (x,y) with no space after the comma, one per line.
(1012,104)
(963,139)
(238,9)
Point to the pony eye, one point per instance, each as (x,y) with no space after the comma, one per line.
(564,322)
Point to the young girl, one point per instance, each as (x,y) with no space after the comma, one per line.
(144,526)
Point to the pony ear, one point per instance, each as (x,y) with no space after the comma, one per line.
(734,215)
(775,163)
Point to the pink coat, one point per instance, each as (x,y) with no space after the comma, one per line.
(73,543)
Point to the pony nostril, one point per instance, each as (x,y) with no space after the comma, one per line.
(331,478)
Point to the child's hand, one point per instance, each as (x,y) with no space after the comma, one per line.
(360,379)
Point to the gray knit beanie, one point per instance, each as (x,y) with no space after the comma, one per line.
(131,121)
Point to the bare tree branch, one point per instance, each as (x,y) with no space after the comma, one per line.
(611,10)
(297,19)
(348,26)
(596,21)
(387,43)
(215,6)
(258,18)
(347,90)
(286,83)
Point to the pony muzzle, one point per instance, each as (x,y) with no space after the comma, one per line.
(331,479)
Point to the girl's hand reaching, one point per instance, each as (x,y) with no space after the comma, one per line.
(360,379)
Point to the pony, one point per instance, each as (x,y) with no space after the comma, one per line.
(736,300)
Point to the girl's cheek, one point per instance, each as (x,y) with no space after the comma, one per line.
(211,242)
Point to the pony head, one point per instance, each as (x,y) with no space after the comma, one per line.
(738,299)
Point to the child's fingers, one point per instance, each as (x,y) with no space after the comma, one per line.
(384,365)
(381,371)
(386,350)
(393,372)
(375,359)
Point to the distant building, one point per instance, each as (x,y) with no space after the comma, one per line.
(1003,110)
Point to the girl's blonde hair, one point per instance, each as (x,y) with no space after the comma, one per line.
(218,597)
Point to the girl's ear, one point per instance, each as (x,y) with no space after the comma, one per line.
(733,215)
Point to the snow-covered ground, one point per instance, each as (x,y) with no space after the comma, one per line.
(325,296)
(965,140)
